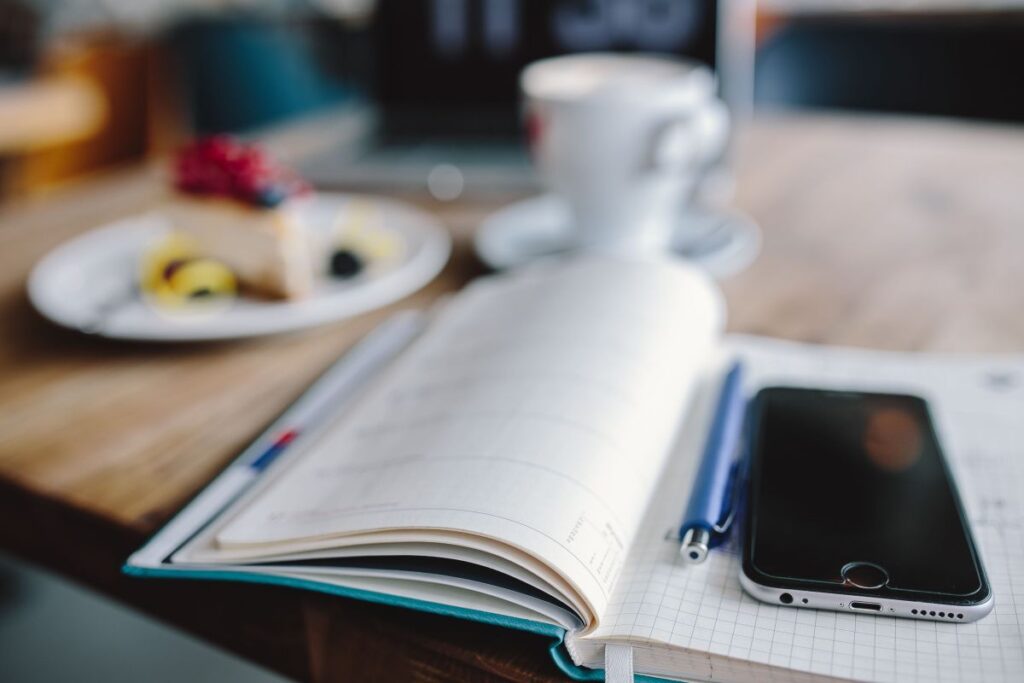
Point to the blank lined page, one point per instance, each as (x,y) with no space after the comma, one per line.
(978,405)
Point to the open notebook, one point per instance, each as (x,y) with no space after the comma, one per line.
(526,462)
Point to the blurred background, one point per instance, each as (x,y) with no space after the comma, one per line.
(86,85)
(408,88)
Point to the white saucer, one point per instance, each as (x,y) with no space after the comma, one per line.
(721,242)
(90,282)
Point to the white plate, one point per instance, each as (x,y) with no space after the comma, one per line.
(89,283)
(722,242)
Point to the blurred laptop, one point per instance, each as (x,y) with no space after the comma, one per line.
(444,116)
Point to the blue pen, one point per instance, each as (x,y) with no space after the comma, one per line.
(709,512)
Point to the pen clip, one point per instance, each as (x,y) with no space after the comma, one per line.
(722,527)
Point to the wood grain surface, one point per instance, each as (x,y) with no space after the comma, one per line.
(883,232)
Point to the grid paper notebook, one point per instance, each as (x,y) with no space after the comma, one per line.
(978,405)
(526,460)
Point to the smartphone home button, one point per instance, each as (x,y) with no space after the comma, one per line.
(864,575)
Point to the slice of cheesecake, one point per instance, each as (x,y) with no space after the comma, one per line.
(265,248)
(239,209)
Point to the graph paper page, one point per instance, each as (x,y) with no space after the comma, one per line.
(978,406)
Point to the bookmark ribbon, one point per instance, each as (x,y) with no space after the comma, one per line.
(618,663)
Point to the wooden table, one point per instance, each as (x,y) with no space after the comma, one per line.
(884,232)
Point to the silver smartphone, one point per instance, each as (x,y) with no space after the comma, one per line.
(851,507)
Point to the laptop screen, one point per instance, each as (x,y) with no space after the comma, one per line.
(452,66)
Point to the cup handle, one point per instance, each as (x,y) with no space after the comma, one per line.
(692,142)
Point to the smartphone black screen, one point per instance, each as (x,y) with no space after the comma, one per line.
(843,478)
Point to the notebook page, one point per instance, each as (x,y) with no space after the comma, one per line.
(978,406)
(526,419)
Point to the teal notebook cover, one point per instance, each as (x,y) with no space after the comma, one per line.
(557,649)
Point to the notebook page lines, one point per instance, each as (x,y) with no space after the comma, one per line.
(515,430)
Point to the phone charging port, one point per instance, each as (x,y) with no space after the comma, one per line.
(866,606)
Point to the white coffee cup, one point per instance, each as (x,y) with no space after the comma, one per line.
(624,139)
